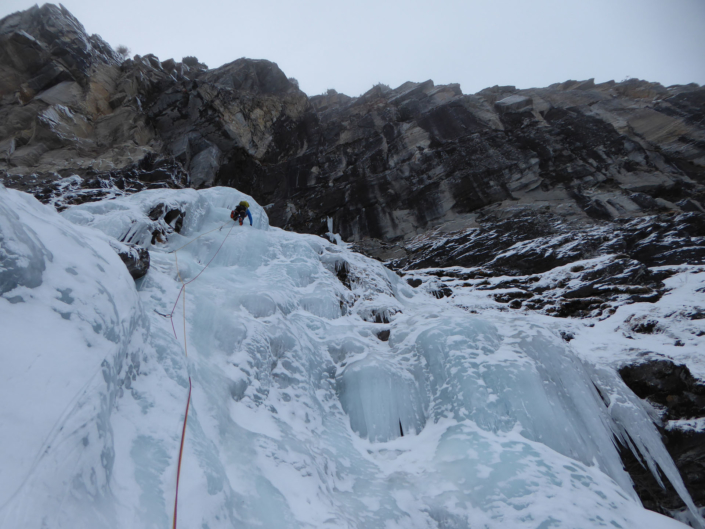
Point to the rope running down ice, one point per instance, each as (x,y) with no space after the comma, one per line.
(171,317)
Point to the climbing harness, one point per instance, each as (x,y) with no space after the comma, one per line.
(182,295)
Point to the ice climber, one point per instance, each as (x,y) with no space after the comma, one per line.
(242,209)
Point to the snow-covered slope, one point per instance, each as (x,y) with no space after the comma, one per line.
(305,411)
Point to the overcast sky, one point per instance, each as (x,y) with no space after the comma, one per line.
(355,44)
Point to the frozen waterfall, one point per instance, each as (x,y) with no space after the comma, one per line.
(302,416)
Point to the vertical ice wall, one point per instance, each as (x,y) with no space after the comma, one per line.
(383,402)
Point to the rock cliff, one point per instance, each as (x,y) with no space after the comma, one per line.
(384,167)
(78,123)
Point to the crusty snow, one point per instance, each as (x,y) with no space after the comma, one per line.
(298,406)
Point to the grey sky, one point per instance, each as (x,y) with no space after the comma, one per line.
(352,45)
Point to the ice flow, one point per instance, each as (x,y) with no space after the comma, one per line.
(302,416)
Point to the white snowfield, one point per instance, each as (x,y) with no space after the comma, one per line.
(298,408)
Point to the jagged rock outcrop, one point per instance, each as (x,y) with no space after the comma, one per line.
(56,91)
(539,261)
(590,288)
(76,119)
(515,182)
(530,242)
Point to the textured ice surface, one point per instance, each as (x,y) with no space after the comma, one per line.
(72,333)
(298,407)
(22,254)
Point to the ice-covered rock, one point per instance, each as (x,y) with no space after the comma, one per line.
(300,415)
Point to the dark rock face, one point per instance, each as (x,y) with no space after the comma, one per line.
(529,242)
(669,385)
(384,167)
(592,288)
(48,46)
(230,121)
(89,185)
(398,162)
(531,254)
(680,399)
(136,260)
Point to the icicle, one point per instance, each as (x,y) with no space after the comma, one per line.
(634,428)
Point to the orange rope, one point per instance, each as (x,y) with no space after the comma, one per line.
(171,317)
(181,452)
